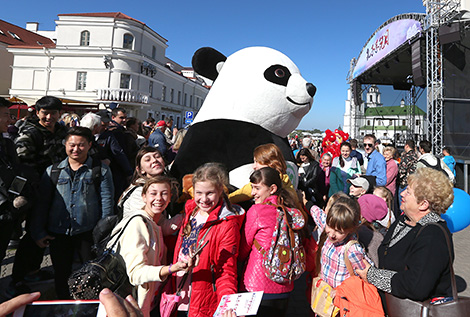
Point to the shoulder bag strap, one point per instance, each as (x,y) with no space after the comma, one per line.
(452,274)
(119,234)
(255,242)
(55,171)
(346,258)
(128,194)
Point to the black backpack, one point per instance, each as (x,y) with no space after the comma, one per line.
(437,167)
(104,227)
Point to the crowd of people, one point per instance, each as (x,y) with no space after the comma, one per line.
(63,173)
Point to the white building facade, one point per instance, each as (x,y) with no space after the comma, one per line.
(388,123)
(103,58)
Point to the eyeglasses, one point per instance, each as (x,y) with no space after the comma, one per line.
(368,145)
(121,117)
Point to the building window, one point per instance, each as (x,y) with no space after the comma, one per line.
(179,97)
(125,81)
(163,93)
(172,92)
(81,80)
(368,122)
(185,99)
(191,101)
(371,98)
(417,122)
(403,122)
(154,52)
(85,38)
(15,36)
(128,41)
(151,88)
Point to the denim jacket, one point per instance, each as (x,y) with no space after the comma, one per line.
(74,207)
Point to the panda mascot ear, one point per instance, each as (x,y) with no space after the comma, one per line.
(208,62)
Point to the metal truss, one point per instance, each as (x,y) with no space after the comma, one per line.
(353,104)
(437,13)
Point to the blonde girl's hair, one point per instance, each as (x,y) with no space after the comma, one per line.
(333,199)
(179,139)
(270,155)
(217,175)
(385,193)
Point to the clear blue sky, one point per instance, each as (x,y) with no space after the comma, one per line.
(321,37)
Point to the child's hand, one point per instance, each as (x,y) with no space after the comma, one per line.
(363,273)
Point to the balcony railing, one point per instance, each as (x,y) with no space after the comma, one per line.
(123,95)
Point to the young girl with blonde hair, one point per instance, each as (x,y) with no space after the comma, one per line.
(211,228)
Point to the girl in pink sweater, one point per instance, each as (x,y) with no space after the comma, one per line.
(260,222)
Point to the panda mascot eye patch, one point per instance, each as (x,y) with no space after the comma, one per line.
(277,74)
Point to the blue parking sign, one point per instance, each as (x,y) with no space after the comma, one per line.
(189,115)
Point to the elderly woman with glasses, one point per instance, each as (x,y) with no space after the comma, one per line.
(413,257)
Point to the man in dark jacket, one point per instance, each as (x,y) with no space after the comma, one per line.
(38,145)
(110,148)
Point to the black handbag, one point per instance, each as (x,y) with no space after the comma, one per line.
(459,306)
(106,271)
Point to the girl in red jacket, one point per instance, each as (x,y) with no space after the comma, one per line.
(213,224)
(261,219)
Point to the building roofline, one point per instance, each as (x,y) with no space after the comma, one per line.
(115,15)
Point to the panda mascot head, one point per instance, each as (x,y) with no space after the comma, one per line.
(258,97)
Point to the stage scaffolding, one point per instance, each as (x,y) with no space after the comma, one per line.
(437,14)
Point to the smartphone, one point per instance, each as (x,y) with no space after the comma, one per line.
(17,185)
(78,308)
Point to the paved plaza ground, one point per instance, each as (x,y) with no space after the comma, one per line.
(298,305)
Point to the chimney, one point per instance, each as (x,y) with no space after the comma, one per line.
(32,26)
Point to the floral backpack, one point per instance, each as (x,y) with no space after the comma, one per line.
(285,260)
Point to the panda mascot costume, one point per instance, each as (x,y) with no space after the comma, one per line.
(258,97)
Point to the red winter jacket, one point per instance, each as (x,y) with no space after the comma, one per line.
(216,273)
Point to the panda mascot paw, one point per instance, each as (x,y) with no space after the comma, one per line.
(258,96)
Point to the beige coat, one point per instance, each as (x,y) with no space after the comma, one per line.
(144,252)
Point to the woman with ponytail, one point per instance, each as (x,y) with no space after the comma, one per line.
(261,219)
(213,224)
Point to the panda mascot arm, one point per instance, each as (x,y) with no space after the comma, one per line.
(258,97)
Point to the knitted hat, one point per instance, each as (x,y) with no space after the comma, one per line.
(372,207)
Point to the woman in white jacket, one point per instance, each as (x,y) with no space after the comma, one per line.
(141,244)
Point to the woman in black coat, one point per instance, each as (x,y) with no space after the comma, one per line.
(414,258)
(311,177)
